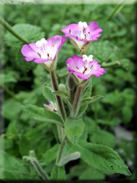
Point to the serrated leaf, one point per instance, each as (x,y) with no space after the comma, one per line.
(58,173)
(31,33)
(50,154)
(24,145)
(74,128)
(101,50)
(43,115)
(103,137)
(89,100)
(101,157)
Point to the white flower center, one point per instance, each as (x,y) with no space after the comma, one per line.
(43,53)
(41,42)
(89,58)
(83,26)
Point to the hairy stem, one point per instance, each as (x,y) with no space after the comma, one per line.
(39,169)
(62,146)
(10,29)
(96,114)
(59,100)
(76,102)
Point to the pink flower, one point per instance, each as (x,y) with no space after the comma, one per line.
(84,67)
(43,51)
(82,33)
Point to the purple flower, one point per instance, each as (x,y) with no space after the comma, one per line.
(43,51)
(84,67)
(82,33)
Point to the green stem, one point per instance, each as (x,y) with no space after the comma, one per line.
(62,146)
(96,114)
(39,169)
(10,29)
(118,8)
(59,100)
(11,94)
(77,101)
(112,64)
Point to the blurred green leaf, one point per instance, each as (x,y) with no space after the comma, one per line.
(6,78)
(24,145)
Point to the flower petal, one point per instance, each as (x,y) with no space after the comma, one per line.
(28,52)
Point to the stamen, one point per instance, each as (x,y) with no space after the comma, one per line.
(48,55)
(69,31)
(85,35)
(83,30)
(39,54)
(84,69)
(91,66)
(89,32)
(77,67)
(52,45)
(54,110)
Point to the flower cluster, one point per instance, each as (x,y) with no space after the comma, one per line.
(81,35)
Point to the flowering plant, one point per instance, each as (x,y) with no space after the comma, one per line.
(70,125)
(64,107)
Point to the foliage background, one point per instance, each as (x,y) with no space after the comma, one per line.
(110,121)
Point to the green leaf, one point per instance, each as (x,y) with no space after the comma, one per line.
(48,94)
(30,32)
(89,100)
(24,145)
(74,128)
(101,157)
(127,114)
(50,154)
(90,125)
(101,50)
(43,115)
(91,174)
(11,168)
(124,63)
(61,94)
(112,122)
(58,173)
(6,78)
(103,137)
(6,109)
